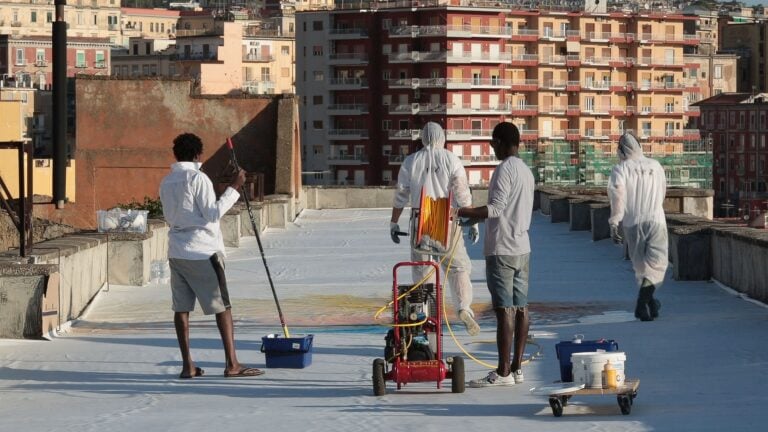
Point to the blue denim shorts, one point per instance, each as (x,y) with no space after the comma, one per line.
(507,279)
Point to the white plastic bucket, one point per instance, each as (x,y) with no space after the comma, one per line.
(588,367)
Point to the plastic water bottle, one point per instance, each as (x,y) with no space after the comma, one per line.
(165,273)
(155,271)
(609,376)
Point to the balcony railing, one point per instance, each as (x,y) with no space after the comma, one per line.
(347,134)
(348,83)
(348,58)
(468,134)
(352,33)
(479,57)
(478,31)
(347,109)
(404,134)
(417,31)
(193,56)
(258,58)
(417,56)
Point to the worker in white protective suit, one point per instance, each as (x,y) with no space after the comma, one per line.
(438,171)
(636,190)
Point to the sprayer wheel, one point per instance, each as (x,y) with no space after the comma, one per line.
(379,386)
(457,374)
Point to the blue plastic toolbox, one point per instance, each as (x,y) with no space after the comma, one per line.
(564,350)
(291,353)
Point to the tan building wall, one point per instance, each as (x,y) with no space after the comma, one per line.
(27,18)
(224,76)
(716,73)
(42,172)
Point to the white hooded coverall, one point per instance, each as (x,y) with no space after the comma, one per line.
(439,171)
(636,190)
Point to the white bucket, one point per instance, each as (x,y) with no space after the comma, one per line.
(588,367)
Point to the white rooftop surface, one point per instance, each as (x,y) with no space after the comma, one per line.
(703,365)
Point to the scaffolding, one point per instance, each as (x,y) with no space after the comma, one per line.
(595,164)
(557,163)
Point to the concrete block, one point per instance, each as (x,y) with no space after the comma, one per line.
(580,216)
(230,229)
(560,209)
(544,202)
(21,306)
(49,319)
(690,250)
(599,215)
(129,262)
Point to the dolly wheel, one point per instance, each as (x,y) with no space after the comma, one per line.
(457,375)
(379,387)
(557,406)
(624,404)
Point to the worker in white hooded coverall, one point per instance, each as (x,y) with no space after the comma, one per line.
(636,190)
(438,171)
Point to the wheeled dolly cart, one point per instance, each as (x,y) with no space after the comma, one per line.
(414,348)
(625,396)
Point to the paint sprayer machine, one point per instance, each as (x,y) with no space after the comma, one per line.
(413,347)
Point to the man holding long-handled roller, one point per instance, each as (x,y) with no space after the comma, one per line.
(507,251)
(196,251)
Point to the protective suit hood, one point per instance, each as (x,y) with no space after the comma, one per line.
(629,148)
(433,136)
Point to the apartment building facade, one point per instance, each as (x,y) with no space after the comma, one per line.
(572,81)
(736,125)
(85,18)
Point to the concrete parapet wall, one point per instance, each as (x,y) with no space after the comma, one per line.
(739,255)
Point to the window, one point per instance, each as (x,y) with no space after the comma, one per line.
(386,124)
(40,57)
(317,100)
(718,71)
(317,50)
(317,25)
(385,75)
(19,57)
(317,124)
(265,75)
(145,70)
(386,23)
(100,63)
(285,50)
(33,16)
(318,75)
(80,59)
(49,17)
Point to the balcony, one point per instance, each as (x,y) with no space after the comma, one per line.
(258,58)
(413,31)
(525,35)
(553,60)
(597,61)
(417,57)
(259,87)
(481,109)
(555,85)
(468,134)
(524,85)
(348,109)
(347,33)
(351,59)
(572,134)
(477,83)
(573,110)
(414,83)
(524,60)
(692,111)
(100,64)
(469,31)
(572,60)
(524,110)
(347,159)
(573,86)
(617,110)
(404,135)
(404,109)
(41,63)
(595,110)
(194,56)
(553,109)
(549,34)
(396,159)
(480,57)
(573,35)
(432,108)
(479,160)
(596,85)
(348,83)
(617,86)
(529,134)
(598,36)
(347,134)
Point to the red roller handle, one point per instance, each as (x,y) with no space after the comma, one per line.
(229,143)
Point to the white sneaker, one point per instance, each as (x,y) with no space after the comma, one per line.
(472,327)
(493,379)
(518,374)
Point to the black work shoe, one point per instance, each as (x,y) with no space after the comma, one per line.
(653,307)
(641,311)
(643,308)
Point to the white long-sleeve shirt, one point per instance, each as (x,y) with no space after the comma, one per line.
(193,213)
(636,190)
(510,205)
(439,171)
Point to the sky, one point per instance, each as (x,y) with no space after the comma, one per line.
(702,365)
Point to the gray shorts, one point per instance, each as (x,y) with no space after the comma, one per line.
(203,280)
(507,279)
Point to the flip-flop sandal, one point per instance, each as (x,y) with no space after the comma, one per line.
(244,372)
(198,372)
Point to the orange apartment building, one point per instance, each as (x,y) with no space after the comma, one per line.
(572,81)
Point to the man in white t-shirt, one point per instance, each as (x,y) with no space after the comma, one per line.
(196,251)
(507,250)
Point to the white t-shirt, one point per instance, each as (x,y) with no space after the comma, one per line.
(510,205)
(193,213)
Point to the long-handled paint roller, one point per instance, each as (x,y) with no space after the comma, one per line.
(258,240)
